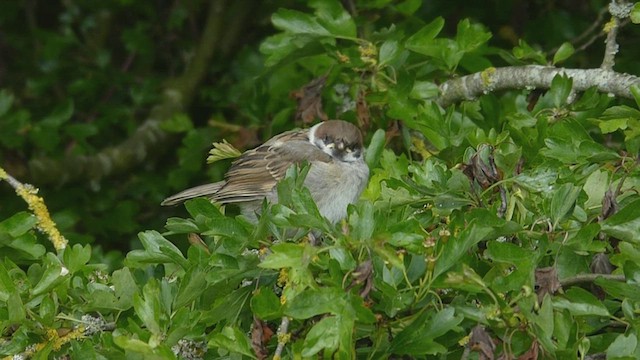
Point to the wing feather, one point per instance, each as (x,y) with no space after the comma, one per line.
(254,174)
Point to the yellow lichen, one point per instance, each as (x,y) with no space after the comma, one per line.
(283,277)
(39,209)
(609,25)
(487,75)
(284,338)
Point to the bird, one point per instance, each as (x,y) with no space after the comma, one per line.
(337,175)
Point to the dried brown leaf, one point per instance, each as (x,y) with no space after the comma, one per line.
(600,265)
(532,353)
(362,111)
(309,99)
(546,282)
(196,240)
(260,336)
(363,275)
(481,342)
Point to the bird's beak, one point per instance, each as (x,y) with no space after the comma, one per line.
(340,145)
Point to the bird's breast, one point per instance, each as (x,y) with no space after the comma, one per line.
(335,185)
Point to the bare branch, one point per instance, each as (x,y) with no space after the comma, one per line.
(619,10)
(589,278)
(533,76)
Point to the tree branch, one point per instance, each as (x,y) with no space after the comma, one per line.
(619,10)
(533,76)
(149,137)
(589,278)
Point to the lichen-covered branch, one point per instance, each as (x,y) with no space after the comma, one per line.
(619,10)
(533,76)
(149,137)
(36,204)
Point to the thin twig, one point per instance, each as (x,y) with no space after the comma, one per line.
(36,204)
(619,10)
(589,278)
(594,30)
(283,337)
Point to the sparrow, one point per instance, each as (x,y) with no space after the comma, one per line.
(336,178)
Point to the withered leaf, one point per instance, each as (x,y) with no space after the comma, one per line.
(532,353)
(481,342)
(363,275)
(482,167)
(260,336)
(196,240)
(362,111)
(309,99)
(546,282)
(600,264)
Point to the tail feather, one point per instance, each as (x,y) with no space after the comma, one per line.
(192,193)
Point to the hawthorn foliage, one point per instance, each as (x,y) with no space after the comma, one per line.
(504,225)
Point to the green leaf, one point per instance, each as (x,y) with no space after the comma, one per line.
(418,337)
(54,274)
(181,226)
(362,221)
(623,346)
(298,23)
(389,51)
(610,126)
(177,123)
(147,306)
(202,207)
(635,14)
(6,100)
(458,245)
(409,7)
(288,255)
(333,17)
(265,304)
(125,288)
(325,334)
(313,302)
(133,344)
(374,151)
(423,40)
(425,90)
(525,52)
(635,90)
(6,283)
(564,52)
(157,249)
(562,202)
(76,256)
(16,308)
(60,115)
(625,224)
(595,187)
(557,95)
(233,340)
(222,150)
(580,302)
(619,290)
(18,224)
(192,285)
(471,36)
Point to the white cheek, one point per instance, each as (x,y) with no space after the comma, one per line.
(352,156)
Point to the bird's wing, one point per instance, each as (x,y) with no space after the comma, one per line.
(192,193)
(254,174)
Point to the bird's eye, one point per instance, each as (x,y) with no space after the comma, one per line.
(325,138)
